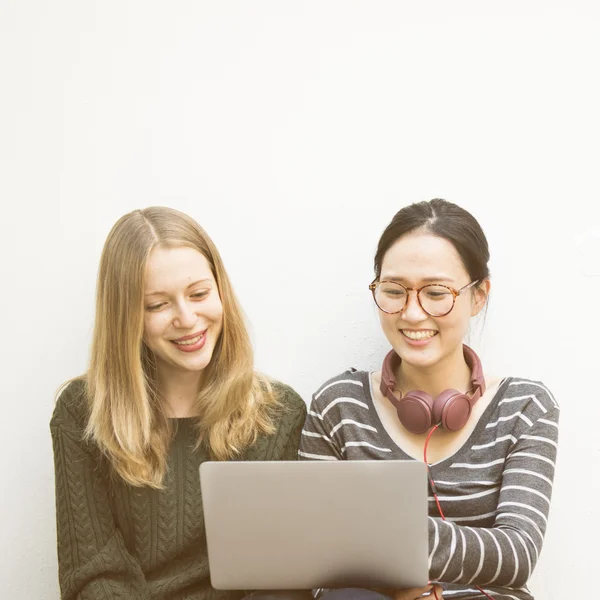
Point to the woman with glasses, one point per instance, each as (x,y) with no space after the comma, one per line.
(490,442)
(170,384)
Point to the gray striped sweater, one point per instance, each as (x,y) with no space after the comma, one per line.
(495,490)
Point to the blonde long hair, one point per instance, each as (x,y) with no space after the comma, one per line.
(126,416)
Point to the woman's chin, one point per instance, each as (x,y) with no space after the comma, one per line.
(423,356)
(186,364)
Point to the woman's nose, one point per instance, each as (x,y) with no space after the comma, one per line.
(186,317)
(412,310)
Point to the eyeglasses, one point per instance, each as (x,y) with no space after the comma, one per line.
(435,299)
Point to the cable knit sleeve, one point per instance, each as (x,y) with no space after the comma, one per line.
(289,424)
(290,451)
(93,561)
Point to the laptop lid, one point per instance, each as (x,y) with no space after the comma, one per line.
(306,525)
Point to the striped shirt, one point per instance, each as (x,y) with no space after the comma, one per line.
(494,491)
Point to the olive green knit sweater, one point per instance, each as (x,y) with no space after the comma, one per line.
(116,541)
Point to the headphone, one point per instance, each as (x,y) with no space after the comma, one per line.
(418,411)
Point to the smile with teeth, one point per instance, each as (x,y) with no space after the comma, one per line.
(418,335)
(191,341)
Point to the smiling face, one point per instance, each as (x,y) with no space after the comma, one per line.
(183,315)
(417,259)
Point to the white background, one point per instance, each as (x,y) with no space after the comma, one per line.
(293,131)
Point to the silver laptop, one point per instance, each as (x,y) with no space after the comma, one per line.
(306,525)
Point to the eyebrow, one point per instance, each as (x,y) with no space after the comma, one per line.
(438,279)
(188,287)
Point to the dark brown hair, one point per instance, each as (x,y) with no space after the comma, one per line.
(446,220)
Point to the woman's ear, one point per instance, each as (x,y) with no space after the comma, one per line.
(480,296)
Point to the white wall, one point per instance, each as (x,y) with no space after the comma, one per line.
(293,131)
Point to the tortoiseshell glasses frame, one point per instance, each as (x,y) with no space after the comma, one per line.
(455,293)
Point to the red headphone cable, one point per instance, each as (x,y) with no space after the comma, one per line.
(432,484)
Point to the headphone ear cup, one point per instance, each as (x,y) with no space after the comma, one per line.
(414,411)
(452,409)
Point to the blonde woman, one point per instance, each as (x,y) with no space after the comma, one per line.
(170,384)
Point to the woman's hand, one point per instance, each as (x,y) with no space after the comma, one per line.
(414,593)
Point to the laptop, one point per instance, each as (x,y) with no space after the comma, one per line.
(306,525)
